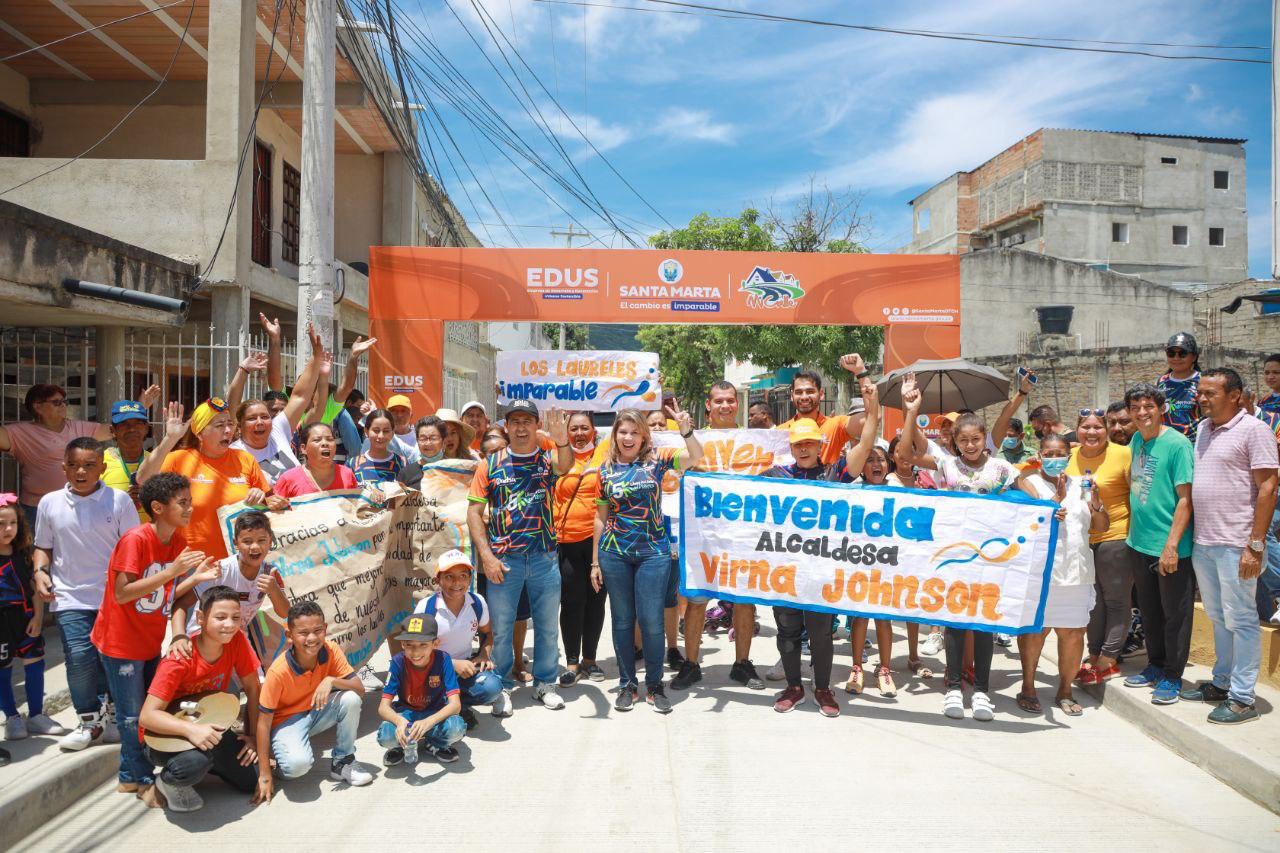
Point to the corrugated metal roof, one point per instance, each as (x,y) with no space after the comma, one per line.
(1221,139)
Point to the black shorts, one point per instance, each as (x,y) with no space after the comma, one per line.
(673,584)
(14,642)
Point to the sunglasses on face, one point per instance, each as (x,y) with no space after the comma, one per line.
(1084,413)
(1176,353)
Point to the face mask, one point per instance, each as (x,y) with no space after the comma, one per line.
(425,460)
(1055,466)
(1009,443)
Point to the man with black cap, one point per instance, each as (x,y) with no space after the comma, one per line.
(1181,385)
(517,545)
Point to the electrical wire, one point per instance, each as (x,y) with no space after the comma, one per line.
(94,29)
(159,83)
(739,15)
(764,16)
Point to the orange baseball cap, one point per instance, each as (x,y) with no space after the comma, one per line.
(804,430)
(399,400)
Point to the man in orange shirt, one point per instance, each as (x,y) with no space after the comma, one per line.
(806,398)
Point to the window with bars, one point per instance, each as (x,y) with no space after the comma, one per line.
(261,250)
(292,213)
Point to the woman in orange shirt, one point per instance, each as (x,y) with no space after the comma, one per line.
(574,508)
(219,475)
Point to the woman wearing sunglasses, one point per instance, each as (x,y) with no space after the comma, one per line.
(1103,469)
(1181,384)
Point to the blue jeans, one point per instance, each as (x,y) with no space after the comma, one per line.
(637,589)
(86,679)
(291,740)
(440,736)
(1269,580)
(129,680)
(480,689)
(1232,607)
(538,571)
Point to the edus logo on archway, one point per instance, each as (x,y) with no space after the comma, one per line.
(562,282)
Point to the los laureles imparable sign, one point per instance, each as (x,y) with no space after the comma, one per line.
(363,562)
(580,380)
(945,558)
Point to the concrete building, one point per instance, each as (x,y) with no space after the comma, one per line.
(1163,207)
(204,172)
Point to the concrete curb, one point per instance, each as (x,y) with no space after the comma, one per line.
(1255,773)
(1258,781)
(52,788)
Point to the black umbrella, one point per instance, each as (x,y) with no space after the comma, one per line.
(946,385)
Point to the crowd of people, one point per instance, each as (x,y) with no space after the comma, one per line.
(1169,491)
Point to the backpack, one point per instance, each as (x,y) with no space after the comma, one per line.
(433,604)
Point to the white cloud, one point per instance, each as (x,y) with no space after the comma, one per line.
(680,123)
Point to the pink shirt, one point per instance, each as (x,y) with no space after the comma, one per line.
(297,481)
(1223,494)
(40,453)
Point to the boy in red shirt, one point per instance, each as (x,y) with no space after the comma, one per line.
(219,651)
(135,610)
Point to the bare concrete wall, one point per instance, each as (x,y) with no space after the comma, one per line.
(154,133)
(15,92)
(1001,288)
(1247,328)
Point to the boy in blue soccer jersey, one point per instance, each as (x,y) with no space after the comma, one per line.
(421,701)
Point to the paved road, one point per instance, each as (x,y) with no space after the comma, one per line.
(724,772)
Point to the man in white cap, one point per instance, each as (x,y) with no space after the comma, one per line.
(475,416)
(461,616)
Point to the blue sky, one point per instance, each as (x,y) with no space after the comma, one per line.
(701,113)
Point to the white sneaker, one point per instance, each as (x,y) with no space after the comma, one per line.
(776,672)
(1004,641)
(547,695)
(180,798)
(369,678)
(953,704)
(88,731)
(932,644)
(347,770)
(983,710)
(43,724)
(1275,618)
(15,727)
(503,706)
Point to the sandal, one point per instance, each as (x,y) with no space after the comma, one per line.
(918,668)
(854,684)
(524,676)
(884,676)
(1030,704)
(1070,706)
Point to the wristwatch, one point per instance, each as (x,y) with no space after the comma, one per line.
(1257,545)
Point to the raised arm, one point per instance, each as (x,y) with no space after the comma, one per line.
(684,421)
(175,427)
(305,385)
(856,456)
(358,349)
(557,424)
(320,395)
(251,363)
(911,408)
(275,376)
(1006,414)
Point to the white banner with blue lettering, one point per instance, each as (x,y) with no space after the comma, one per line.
(580,380)
(944,558)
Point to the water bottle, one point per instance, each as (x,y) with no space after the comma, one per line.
(1086,485)
(411,752)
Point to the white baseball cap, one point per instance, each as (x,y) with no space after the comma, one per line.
(450,559)
(474,404)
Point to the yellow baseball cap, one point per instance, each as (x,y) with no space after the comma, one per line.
(804,430)
(399,400)
(951,416)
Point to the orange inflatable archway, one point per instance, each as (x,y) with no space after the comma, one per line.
(414,290)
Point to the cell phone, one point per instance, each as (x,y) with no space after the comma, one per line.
(1022,371)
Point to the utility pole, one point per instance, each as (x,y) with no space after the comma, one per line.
(1275,142)
(315,241)
(568,244)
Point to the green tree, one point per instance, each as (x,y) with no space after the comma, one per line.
(693,356)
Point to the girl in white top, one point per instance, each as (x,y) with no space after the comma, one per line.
(976,471)
(1071,592)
